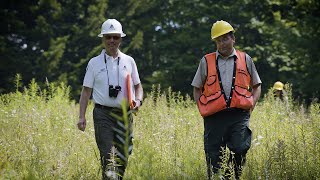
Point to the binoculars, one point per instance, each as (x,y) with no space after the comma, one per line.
(114,90)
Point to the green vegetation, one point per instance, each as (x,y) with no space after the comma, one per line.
(39,138)
(286,143)
(55,40)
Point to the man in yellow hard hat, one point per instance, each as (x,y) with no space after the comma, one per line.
(279,92)
(278,89)
(226,89)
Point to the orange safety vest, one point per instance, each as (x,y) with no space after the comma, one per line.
(213,98)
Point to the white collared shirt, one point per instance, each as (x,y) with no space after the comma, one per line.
(99,75)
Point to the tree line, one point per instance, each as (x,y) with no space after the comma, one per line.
(54,39)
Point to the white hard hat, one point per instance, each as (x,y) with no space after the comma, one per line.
(111,26)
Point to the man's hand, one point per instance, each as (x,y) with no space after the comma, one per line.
(138,96)
(136,104)
(84,98)
(256,91)
(82,124)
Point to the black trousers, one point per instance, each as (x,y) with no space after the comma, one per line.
(228,128)
(111,131)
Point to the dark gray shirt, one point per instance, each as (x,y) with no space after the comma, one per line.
(226,72)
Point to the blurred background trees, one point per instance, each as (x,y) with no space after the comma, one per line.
(55,39)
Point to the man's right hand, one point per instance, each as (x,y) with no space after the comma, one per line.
(84,98)
(82,124)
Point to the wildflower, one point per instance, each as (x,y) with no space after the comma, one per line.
(112,174)
(259,137)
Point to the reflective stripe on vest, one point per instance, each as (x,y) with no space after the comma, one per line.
(213,98)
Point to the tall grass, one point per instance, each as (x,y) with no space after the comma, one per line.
(39,138)
(286,141)
(167,139)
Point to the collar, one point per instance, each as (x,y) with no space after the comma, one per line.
(110,57)
(231,55)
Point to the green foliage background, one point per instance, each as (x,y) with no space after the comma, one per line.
(54,39)
(39,138)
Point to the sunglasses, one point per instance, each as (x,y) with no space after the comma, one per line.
(113,37)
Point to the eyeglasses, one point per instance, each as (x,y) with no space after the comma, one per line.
(222,40)
(113,37)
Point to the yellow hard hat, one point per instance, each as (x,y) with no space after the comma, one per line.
(278,86)
(220,28)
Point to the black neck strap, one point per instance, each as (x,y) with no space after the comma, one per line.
(105,61)
(228,100)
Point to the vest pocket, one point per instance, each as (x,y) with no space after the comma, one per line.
(242,98)
(209,105)
(242,91)
(205,99)
(211,80)
(243,78)
(210,87)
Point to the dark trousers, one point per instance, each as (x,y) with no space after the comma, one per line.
(228,128)
(110,131)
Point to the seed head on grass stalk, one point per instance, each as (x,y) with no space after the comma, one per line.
(112,170)
(125,141)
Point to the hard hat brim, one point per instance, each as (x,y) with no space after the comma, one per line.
(223,33)
(280,89)
(111,32)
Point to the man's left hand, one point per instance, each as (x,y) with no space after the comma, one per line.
(137,104)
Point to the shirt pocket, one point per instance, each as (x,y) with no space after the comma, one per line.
(101,77)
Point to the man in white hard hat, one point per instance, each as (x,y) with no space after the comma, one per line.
(226,88)
(106,78)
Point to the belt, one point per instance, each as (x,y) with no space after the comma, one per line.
(234,110)
(114,109)
(106,107)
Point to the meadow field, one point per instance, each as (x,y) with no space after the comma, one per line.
(39,138)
